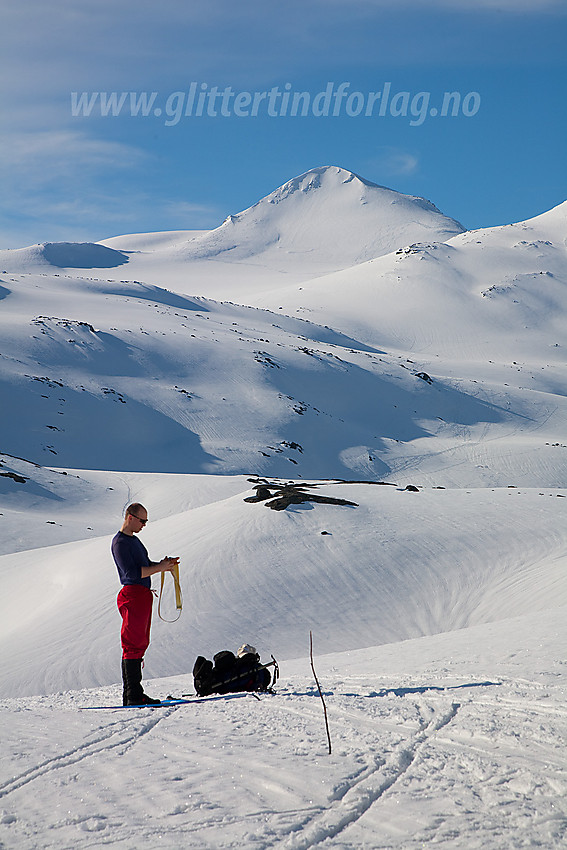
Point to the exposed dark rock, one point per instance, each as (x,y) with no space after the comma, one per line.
(14,476)
(265,359)
(262,493)
(362,481)
(292,445)
(281,496)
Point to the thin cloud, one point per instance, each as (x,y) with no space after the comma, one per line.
(50,176)
(465,6)
(52,186)
(47,208)
(143,45)
(187,211)
(50,153)
(392,162)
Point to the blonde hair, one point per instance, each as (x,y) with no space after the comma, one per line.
(134,509)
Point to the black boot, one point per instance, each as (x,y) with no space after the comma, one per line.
(133,693)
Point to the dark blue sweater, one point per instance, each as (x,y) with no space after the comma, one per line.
(130,556)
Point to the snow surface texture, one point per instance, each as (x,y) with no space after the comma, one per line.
(366,340)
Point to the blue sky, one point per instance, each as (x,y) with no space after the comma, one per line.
(85,177)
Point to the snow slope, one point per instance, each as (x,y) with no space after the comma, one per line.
(77,255)
(498,293)
(325,219)
(327,213)
(455,740)
(374,361)
(462,392)
(496,554)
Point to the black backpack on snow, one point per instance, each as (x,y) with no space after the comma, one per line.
(230,673)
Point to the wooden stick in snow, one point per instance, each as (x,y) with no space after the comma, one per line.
(319,688)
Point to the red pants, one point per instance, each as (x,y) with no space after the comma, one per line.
(135,606)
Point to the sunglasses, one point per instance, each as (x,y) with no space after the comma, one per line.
(143,521)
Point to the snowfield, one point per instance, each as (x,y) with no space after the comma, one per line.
(353,345)
(456,740)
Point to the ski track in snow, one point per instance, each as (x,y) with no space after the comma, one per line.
(108,738)
(410,766)
(368,788)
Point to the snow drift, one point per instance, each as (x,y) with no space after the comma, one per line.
(62,255)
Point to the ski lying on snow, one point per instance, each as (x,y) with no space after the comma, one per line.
(165,703)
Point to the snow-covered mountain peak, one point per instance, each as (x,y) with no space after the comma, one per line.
(323,220)
(334,179)
(325,176)
(327,218)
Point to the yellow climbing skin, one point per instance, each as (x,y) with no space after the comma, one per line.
(178,594)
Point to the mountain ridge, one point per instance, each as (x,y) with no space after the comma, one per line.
(324,219)
(321,379)
(300,218)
